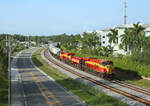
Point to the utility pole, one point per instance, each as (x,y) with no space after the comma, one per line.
(29,41)
(125,10)
(6,43)
(8,39)
(9,52)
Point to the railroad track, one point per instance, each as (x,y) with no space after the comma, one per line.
(134,97)
(129,86)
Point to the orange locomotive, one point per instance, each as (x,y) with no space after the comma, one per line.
(78,62)
(101,67)
(66,56)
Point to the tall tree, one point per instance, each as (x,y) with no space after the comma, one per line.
(127,39)
(137,28)
(138,36)
(113,36)
(134,38)
(90,40)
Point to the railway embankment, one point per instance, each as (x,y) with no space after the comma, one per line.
(86,93)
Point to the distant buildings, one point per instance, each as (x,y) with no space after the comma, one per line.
(89,31)
(105,40)
(28,44)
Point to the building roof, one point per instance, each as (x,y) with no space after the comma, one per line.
(147,29)
(89,31)
(145,25)
(106,29)
(125,26)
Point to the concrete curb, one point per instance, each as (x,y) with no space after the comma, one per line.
(145,78)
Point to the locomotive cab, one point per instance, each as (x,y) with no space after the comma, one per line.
(108,65)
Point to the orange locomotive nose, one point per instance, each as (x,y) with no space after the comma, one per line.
(110,69)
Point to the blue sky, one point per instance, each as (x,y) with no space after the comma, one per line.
(48,17)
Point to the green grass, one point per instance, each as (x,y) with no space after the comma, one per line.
(86,93)
(143,83)
(18,49)
(4,96)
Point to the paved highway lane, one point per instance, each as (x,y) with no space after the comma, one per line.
(30,87)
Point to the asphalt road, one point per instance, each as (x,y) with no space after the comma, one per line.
(30,87)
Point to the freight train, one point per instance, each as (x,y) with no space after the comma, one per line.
(102,68)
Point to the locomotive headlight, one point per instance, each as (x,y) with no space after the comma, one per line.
(103,70)
(107,69)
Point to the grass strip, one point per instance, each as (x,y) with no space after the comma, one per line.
(86,93)
(4,96)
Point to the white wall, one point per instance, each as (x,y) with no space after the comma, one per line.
(104,38)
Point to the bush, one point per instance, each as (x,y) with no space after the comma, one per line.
(142,57)
(126,63)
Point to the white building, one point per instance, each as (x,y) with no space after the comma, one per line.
(89,31)
(103,37)
(121,30)
(147,31)
(105,40)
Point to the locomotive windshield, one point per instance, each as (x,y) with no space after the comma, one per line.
(58,45)
(106,63)
(92,58)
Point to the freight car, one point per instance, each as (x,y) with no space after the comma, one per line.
(55,51)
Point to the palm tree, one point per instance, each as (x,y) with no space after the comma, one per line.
(127,39)
(134,37)
(142,40)
(113,36)
(78,41)
(90,40)
(138,36)
(106,51)
(137,28)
